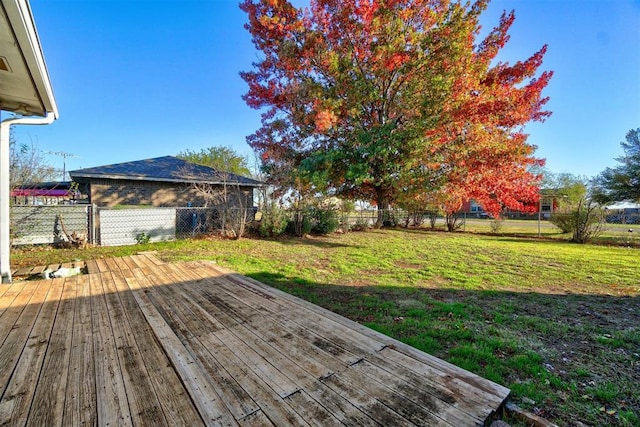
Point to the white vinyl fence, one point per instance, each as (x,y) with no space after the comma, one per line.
(41,225)
(119,227)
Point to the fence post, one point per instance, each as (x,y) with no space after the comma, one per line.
(96,224)
(90,224)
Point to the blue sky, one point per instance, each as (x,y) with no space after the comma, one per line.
(136,79)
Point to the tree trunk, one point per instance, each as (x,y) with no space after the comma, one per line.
(383,207)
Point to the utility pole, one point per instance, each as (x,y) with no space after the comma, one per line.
(64,161)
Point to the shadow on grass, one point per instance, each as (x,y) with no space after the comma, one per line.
(317,241)
(571,353)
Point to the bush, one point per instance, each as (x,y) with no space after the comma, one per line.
(142,238)
(361,224)
(414,218)
(585,221)
(300,223)
(496,225)
(390,219)
(433,217)
(324,221)
(453,221)
(563,220)
(273,222)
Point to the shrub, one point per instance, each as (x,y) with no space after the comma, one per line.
(142,238)
(414,218)
(390,219)
(300,223)
(496,225)
(273,222)
(361,224)
(324,221)
(453,221)
(433,217)
(585,221)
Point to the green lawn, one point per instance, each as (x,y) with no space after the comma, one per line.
(558,323)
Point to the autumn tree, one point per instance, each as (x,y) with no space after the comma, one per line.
(373,99)
(621,182)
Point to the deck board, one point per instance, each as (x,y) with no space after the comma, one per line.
(80,402)
(18,395)
(48,401)
(112,408)
(137,341)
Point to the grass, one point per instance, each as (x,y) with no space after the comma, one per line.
(557,323)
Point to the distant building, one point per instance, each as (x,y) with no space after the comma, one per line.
(45,193)
(161,182)
(547,205)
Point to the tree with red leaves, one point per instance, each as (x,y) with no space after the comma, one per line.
(372,99)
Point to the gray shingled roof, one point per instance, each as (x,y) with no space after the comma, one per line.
(166,169)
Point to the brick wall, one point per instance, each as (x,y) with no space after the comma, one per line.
(111,192)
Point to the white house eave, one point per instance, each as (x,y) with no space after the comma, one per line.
(31,93)
(25,89)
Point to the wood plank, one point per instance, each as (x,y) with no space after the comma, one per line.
(92,266)
(53,267)
(259,358)
(203,326)
(209,404)
(4,287)
(284,353)
(174,399)
(111,264)
(148,260)
(9,294)
(363,334)
(435,379)
(234,396)
(38,270)
(256,419)
(102,266)
(119,264)
(18,395)
(316,413)
(24,271)
(196,344)
(313,359)
(15,328)
(341,339)
(308,356)
(152,258)
(48,402)
(463,383)
(139,261)
(408,391)
(129,263)
(143,402)
(473,400)
(110,391)
(80,406)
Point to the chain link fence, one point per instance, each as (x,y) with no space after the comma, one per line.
(34,225)
(130,226)
(38,225)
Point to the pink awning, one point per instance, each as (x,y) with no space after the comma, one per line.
(37,192)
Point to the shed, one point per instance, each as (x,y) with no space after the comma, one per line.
(162,182)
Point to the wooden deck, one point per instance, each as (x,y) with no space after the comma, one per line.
(139,342)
